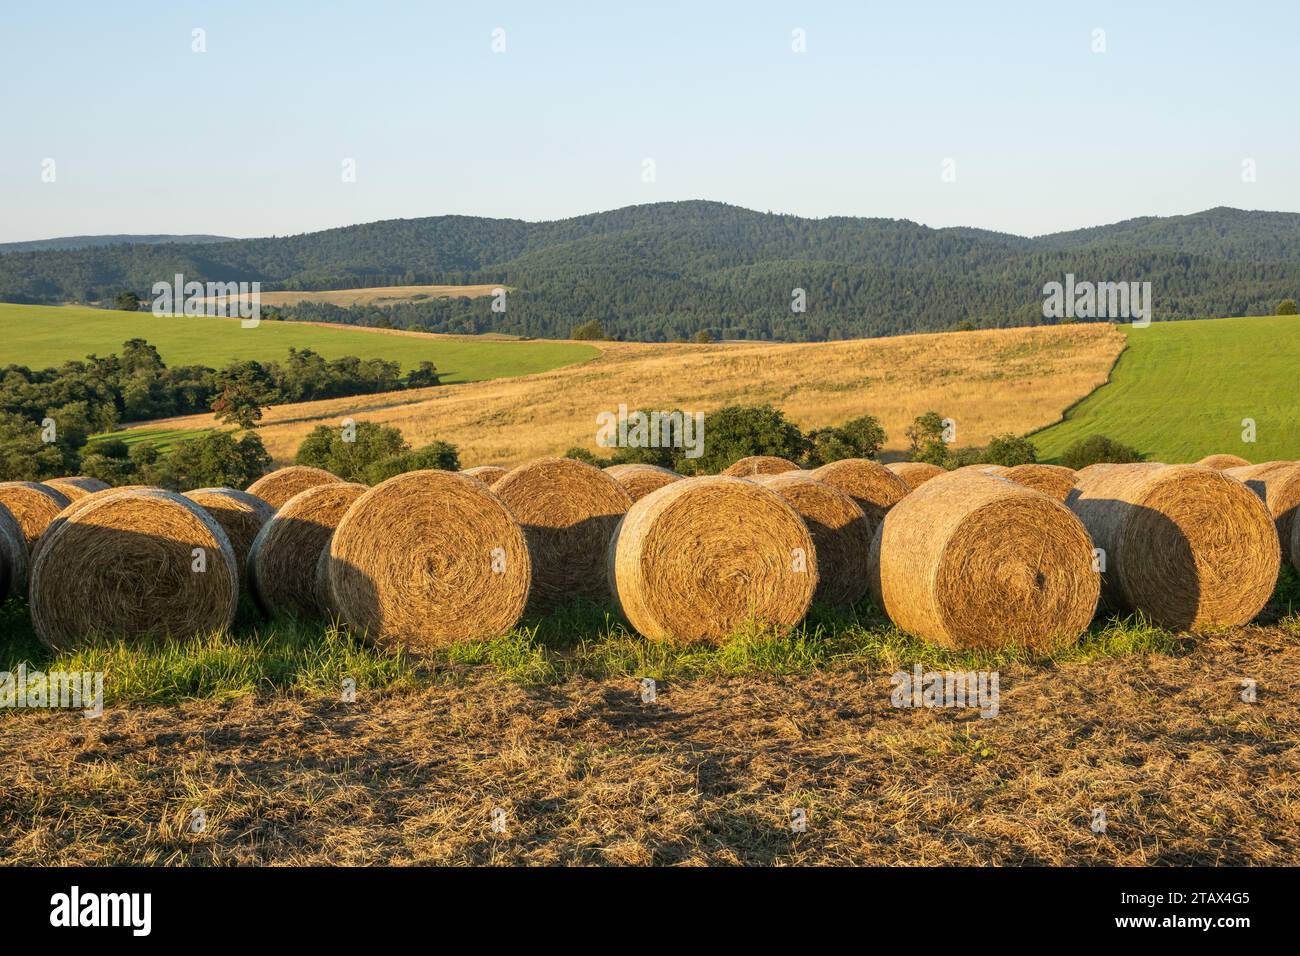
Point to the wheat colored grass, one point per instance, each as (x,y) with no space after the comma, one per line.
(568,510)
(700,558)
(133,564)
(1055,481)
(976,561)
(282,560)
(282,484)
(840,531)
(1187,545)
(426,559)
(760,465)
(915,473)
(638,480)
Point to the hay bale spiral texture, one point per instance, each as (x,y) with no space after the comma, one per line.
(638,480)
(426,559)
(282,561)
(568,510)
(699,558)
(76,487)
(840,531)
(240,515)
(760,465)
(1223,462)
(33,505)
(870,484)
(915,473)
(282,484)
(1187,545)
(488,474)
(1277,484)
(133,564)
(13,556)
(976,561)
(1055,481)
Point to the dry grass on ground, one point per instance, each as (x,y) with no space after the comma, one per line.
(1184,769)
(379,295)
(990,382)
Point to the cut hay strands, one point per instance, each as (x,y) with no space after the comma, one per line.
(77,505)
(488,474)
(33,505)
(76,487)
(915,473)
(13,556)
(638,480)
(133,564)
(568,510)
(1055,481)
(240,515)
(1223,462)
(426,559)
(282,561)
(840,531)
(702,557)
(1277,484)
(976,561)
(760,465)
(279,486)
(1186,545)
(870,484)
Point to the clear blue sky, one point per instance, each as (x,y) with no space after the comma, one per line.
(248,138)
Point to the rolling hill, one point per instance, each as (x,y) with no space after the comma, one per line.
(87,242)
(663,271)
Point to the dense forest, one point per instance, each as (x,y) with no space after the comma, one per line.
(672,270)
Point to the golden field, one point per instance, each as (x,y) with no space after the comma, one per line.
(381,295)
(990,382)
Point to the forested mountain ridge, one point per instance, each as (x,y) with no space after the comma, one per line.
(669,270)
(83,242)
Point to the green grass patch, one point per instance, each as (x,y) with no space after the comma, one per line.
(1181,391)
(164,439)
(41,336)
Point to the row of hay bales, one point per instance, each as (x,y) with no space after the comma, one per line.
(983,556)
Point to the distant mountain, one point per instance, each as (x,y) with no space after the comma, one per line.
(669,270)
(87,242)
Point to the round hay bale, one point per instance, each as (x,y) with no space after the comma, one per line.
(915,473)
(1055,481)
(976,561)
(1223,462)
(701,557)
(1277,484)
(760,465)
(13,556)
(76,487)
(870,484)
(488,474)
(282,560)
(426,559)
(1186,545)
(77,505)
(840,532)
(639,480)
(240,515)
(279,486)
(982,468)
(124,565)
(33,505)
(568,510)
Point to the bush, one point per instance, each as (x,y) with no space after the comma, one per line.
(1097,449)
(578,453)
(217,459)
(1286,307)
(588,331)
(738,431)
(926,437)
(857,438)
(26,456)
(1010,450)
(325,447)
(440,455)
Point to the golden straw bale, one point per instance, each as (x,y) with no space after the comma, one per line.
(282,484)
(760,465)
(13,556)
(1055,481)
(915,473)
(874,487)
(241,516)
(76,487)
(1277,484)
(638,480)
(33,505)
(488,474)
(1223,462)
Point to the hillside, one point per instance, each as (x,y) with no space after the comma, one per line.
(990,382)
(86,242)
(43,336)
(661,271)
(1181,390)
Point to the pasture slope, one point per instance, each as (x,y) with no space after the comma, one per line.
(383,295)
(1181,391)
(43,336)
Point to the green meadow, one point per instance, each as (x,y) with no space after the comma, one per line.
(1182,390)
(44,336)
